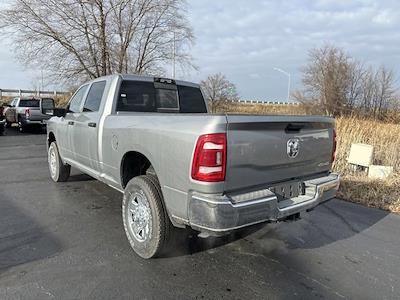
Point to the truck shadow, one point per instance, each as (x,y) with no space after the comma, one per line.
(22,239)
(80,177)
(328,223)
(13,131)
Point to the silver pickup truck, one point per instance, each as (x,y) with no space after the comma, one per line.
(176,165)
(28,112)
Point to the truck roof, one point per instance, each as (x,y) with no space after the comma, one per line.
(148,79)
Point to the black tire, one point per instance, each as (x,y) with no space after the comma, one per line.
(21,127)
(173,233)
(156,242)
(1,129)
(61,172)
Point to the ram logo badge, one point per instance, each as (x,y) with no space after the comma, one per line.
(293,146)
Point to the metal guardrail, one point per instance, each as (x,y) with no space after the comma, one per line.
(266,102)
(20,93)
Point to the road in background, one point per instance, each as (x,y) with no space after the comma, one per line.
(66,241)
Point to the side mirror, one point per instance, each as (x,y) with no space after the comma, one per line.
(59,112)
(47,106)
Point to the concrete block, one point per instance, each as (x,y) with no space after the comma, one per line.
(361,155)
(379,172)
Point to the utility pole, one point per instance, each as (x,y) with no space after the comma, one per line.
(289,81)
(174,57)
(41,87)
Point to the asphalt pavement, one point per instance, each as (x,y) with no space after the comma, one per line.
(66,241)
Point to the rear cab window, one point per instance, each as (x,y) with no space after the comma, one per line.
(138,96)
(29,103)
(191,100)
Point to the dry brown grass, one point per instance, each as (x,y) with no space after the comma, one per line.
(385,137)
(383,194)
(264,109)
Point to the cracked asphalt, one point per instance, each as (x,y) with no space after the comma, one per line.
(66,241)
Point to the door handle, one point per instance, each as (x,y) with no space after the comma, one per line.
(92,124)
(71,123)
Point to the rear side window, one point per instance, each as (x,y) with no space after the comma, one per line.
(94,97)
(191,100)
(29,103)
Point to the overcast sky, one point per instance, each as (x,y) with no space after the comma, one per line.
(246,39)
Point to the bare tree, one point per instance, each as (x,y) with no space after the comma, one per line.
(327,79)
(378,92)
(218,91)
(357,74)
(336,84)
(84,39)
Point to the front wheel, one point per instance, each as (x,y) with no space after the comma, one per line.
(146,222)
(58,171)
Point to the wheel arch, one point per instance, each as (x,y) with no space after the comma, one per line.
(51,138)
(133,164)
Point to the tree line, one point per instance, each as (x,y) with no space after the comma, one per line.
(337,84)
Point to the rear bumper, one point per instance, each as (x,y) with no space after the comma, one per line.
(33,122)
(220,214)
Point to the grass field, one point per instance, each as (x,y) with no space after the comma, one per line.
(356,187)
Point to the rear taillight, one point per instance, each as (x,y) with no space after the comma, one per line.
(209,159)
(27,112)
(334,145)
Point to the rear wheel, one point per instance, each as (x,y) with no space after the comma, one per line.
(146,223)
(21,127)
(58,171)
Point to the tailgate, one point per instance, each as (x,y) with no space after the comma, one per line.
(37,115)
(263,150)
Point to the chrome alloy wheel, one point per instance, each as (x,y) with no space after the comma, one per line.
(52,162)
(139,216)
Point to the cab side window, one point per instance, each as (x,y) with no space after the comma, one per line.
(76,101)
(93,99)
